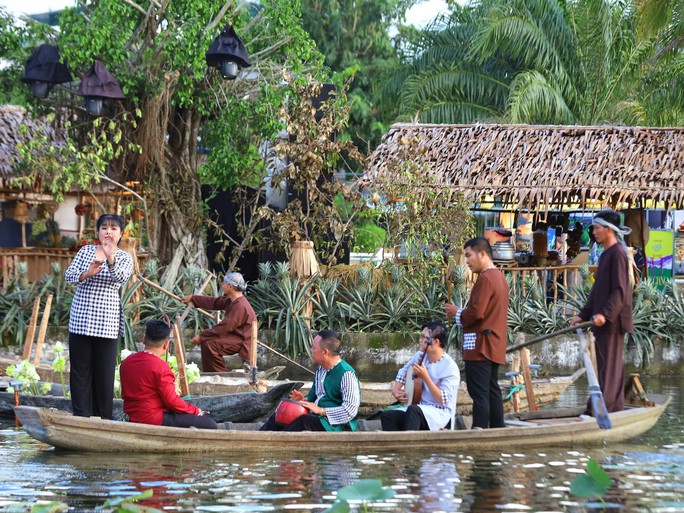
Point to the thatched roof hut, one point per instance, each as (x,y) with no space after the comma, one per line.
(525,166)
(12,119)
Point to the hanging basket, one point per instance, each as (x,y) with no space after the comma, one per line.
(303,262)
(82,209)
(18,211)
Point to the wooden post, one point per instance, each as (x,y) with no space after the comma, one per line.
(515,380)
(253,348)
(180,356)
(43,329)
(253,353)
(31,332)
(529,390)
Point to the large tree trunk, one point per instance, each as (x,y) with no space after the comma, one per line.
(178,238)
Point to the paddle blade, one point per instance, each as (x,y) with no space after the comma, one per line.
(599,409)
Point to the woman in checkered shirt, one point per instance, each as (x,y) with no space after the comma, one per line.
(96,318)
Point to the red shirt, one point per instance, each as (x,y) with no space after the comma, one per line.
(148,389)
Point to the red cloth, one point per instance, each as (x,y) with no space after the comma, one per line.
(233,335)
(148,389)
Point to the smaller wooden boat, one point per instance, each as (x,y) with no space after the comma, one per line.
(526,430)
(375,395)
(241,407)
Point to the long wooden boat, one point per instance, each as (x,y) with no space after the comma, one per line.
(526,430)
(239,407)
(375,395)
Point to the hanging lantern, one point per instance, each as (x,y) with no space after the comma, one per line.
(97,85)
(82,209)
(227,53)
(43,71)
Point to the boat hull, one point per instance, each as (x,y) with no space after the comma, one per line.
(237,407)
(64,431)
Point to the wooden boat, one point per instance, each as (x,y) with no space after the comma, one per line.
(526,430)
(377,395)
(47,373)
(240,407)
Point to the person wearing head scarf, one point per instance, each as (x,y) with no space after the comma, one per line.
(96,318)
(233,334)
(609,307)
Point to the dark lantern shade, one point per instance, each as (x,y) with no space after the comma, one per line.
(226,49)
(98,81)
(43,70)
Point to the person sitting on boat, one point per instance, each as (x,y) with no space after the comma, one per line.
(399,383)
(148,385)
(233,334)
(440,381)
(335,394)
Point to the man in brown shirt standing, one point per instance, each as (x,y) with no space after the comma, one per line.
(234,333)
(609,306)
(485,329)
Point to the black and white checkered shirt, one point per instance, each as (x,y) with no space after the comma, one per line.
(96,310)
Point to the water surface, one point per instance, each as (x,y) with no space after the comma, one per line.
(647,474)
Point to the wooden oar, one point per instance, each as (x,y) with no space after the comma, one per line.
(598,403)
(547,336)
(207,314)
(169,293)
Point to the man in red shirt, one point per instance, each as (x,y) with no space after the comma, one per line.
(233,335)
(148,386)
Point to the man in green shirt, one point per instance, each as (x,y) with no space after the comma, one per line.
(335,394)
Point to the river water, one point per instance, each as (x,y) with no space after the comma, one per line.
(647,475)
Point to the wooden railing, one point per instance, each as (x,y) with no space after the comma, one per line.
(550,277)
(38,261)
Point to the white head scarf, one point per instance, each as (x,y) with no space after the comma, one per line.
(236,280)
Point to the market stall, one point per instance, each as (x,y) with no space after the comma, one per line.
(544,171)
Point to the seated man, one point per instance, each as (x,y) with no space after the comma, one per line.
(335,394)
(399,383)
(233,335)
(441,379)
(148,389)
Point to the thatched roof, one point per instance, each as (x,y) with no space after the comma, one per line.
(540,166)
(12,118)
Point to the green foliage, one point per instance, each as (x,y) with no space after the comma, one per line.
(594,483)
(285,306)
(368,236)
(364,491)
(18,39)
(539,61)
(430,222)
(355,39)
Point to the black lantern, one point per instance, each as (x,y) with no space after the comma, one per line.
(43,71)
(227,53)
(97,85)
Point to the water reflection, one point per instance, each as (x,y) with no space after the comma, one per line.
(648,476)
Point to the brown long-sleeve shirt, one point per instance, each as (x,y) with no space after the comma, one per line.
(487,317)
(236,327)
(611,294)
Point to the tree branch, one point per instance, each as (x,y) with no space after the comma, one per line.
(271,48)
(136,6)
(219,17)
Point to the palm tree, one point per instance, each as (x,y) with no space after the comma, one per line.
(528,61)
